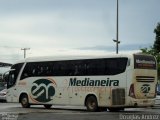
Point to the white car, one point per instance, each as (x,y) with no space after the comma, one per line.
(3,95)
(157,100)
(3,92)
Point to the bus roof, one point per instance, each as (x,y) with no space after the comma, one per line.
(79,57)
(61,58)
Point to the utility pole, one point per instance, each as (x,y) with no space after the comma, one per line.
(117,31)
(24,49)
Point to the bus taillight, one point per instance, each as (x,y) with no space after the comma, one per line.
(131,91)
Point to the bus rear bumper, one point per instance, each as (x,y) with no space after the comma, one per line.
(142,102)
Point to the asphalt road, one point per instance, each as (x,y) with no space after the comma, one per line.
(12,111)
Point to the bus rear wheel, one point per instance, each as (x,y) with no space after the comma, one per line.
(115,109)
(24,101)
(47,106)
(91,104)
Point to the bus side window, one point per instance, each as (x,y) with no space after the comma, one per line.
(115,66)
(81,69)
(100,67)
(27,71)
(56,69)
(48,69)
(70,68)
(91,67)
(34,72)
(77,68)
(52,67)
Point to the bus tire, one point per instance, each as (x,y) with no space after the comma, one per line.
(47,106)
(115,109)
(24,101)
(102,109)
(91,104)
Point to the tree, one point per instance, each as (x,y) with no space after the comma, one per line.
(149,51)
(152,51)
(156,45)
(155,49)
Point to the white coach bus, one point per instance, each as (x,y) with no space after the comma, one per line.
(100,83)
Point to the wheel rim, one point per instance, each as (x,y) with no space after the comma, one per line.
(92,104)
(24,101)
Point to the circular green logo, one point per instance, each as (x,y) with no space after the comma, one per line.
(145,88)
(43,90)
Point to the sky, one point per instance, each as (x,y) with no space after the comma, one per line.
(71,27)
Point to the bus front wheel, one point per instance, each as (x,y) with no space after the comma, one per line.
(91,104)
(24,101)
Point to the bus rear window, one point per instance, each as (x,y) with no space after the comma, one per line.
(144,62)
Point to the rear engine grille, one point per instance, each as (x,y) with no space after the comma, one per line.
(118,96)
(145,78)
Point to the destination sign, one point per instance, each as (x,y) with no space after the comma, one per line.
(144,62)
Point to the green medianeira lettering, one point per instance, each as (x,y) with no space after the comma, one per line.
(89,82)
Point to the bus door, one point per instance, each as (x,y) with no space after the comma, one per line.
(75,94)
(12,95)
(11,87)
(62,91)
